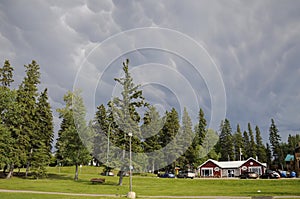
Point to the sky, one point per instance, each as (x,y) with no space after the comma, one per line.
(234,59)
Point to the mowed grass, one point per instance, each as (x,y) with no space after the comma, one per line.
(61,180)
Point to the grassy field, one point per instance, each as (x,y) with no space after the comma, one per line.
(61,180)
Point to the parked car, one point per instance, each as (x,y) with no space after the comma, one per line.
(249,175)
(166,175)
(186,174)
(269,174)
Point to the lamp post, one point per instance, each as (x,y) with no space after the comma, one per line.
(131,194)
(107,153)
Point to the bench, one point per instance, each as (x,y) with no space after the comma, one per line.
(97,180)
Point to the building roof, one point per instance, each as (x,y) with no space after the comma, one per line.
(231,164)
(289,158)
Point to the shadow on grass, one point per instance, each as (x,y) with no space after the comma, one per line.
(53,176)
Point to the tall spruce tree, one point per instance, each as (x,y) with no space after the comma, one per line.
(225,141)
(201,130)
(126,115)
(252,142)
(70,148)
(260,148)
(27,97)
(168,140)
(14,149)
(42,155)
(6,74)
(152,124)
(185,140)
(238,143)
(6,98)
(247,147)
(275,139)
(102,130)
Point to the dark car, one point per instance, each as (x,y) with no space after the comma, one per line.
(249,175)
(269,174)
(166,175)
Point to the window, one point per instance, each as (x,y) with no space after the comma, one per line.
(230,173)
(256,170)
(207,172)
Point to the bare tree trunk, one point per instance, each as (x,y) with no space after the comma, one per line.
(28,163)
(122,172)
(76,172)
(11,171)
(153,166)
(27,169)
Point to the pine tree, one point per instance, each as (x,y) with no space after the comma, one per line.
(6,74)
(247,148)
(167,138)
(152,124)
(26,98)
(201,127)
(238,143)
(186,140)
(70,148)
(275,139)
(252,142)
(102,130)
(293,142)
(260,150)
(7,99)
(15,151)
(42,156)
(125,114)
(225,141)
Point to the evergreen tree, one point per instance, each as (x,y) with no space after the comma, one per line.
(6,74)
(247,148)
(26,98)
(42,155)
(126,115)
(167,138)
(225,141)
(102,130)
(70,148)
(186,138)
(152,124)
(252,142)
(201,130)
(238,143)
(15,151)
(260,150)
(275,139)
(293,142)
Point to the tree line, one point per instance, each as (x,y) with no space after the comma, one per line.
(157,142)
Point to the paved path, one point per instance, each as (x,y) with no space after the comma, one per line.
(139,196)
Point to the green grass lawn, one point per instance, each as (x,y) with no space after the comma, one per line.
(61,180)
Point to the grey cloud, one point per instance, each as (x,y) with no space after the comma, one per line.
(255,44)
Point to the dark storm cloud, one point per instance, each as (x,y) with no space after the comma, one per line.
(256,45)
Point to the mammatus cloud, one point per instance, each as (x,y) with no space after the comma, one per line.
(255,44)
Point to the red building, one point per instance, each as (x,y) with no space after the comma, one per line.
(213,168)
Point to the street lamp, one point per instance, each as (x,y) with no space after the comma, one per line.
(107,153)
(131,194)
